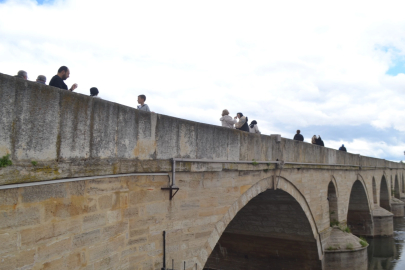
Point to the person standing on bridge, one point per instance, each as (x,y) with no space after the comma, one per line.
(142,106)
(298,136)
(58,79)
(22,75)
(313,140)
(343,148)
(243,122)
(319,141)
(41,79)
(226,120)
(94,92)
(253,127)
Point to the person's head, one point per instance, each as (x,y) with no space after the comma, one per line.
(225,112)
(63,72)
(41,79)
(253,123)
(239,115)
(313,139)
(343,145)
(298,131)
(22,74)
(141,99)
(93,92)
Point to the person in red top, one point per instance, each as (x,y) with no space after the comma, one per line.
(58,79)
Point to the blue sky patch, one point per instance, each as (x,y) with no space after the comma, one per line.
(40,2)
(399,67)
(398,64)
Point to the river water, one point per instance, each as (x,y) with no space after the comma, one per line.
(388,253)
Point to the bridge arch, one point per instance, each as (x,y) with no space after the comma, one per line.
(384,194)
(359,216)
(282,199)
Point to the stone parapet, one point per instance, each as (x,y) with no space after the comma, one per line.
(52,134)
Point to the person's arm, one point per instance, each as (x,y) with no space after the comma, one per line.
(230,120)
(147,108)
(257,129)
(74,86)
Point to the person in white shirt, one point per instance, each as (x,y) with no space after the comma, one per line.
(227,121)
(142,106)
(253,127)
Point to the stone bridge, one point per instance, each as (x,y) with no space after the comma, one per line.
(98,185)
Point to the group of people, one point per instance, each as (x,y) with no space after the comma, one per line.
(63,74)
(315,140)
(238,122)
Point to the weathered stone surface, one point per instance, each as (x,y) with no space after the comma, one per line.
(86,239)
(47,232)
(7,114)
(36,127)
(8,197)
(75,126)
(104,129)
(127,132)
(8,242)
(19,217)
(56,249)
(41,193)
(94,221)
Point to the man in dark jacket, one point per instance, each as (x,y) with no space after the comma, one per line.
(319,141)
(58,79)
(343,148)
(298,136)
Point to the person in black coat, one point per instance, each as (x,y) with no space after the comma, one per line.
(343,148)
(298,136)
(243,122)
(319,141)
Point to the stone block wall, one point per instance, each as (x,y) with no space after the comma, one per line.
(118,222)
(114,223)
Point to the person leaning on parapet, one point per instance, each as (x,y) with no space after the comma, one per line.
(142,106)
(41,79)
(298,136)
(253,128)
(22,75)
(94,92)
(319,141)
(227,121)
(343,148)
(58,79)
(243,122)
(313,140)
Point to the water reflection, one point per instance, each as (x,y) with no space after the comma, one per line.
(388,253)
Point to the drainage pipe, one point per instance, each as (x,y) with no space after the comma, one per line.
(76,179)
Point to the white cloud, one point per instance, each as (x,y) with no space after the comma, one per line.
(367,148)
(298,62)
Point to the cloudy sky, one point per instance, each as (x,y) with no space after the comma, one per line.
(333,70)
